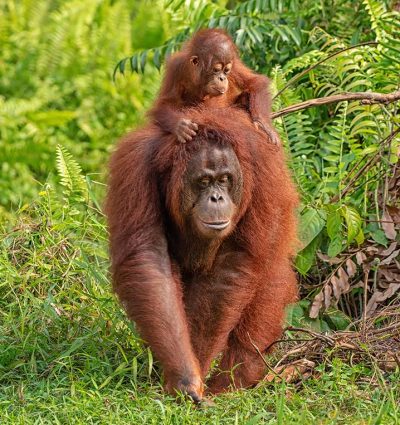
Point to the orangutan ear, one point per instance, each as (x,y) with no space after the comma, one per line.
(194,60)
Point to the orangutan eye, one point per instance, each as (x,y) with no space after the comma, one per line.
(227,69)
(204,181)
(218,67)
(224,179)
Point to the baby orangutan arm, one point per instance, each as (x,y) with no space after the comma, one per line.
(256,96)
(167,109)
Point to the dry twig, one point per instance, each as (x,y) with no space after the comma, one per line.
(375,342)
(365,97)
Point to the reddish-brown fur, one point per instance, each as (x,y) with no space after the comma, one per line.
(184,85)
(234,299)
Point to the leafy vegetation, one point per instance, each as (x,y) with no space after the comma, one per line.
(56,87)
(344,156)
(67,352)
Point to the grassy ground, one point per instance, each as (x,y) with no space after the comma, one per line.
(335,398)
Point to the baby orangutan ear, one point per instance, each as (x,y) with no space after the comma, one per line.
(194,60)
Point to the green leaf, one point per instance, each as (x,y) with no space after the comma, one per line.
(360,237)
(379,237)
(143,58)
(337,320)
(305,258)
(156,58)
(311,224)
(334,230)
(369,150)
(115,71)
(335,245)
(333,222)
(295,34)
(255,35)
(353,222)
(240,35)
(134,63)
(121,66)
(295,314)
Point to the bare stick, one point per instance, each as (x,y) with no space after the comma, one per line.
(262,357)
(365,97)
(365,298)
(316,335)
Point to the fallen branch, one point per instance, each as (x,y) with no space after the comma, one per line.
(365,97)
(373,342)
(317,335)
(261,356)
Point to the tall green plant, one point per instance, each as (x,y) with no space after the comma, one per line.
(56,88)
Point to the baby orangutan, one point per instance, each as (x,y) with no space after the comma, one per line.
(208,70)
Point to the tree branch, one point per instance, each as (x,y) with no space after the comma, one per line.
(365,97)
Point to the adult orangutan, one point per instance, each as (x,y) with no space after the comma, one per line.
(201,237)
(208,69)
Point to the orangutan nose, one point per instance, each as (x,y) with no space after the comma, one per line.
(216,197)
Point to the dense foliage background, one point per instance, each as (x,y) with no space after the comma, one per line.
(61,332)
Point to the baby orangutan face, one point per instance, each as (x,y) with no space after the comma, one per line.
(218,81)
(213,64)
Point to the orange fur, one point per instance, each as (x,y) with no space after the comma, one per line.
(237,299)
(184,86)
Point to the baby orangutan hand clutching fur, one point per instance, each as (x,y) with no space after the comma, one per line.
(208,69)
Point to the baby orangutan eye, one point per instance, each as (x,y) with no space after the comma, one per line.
(218,67)
(228,68)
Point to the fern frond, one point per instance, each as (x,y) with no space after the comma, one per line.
(71,177)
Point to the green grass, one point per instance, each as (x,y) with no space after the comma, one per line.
(68,354)
(335,398)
